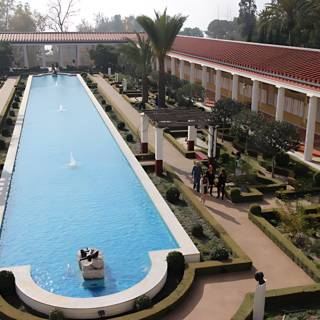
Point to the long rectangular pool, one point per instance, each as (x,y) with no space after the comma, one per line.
(54,209)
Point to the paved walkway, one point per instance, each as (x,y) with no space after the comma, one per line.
(219,296)
(5,93)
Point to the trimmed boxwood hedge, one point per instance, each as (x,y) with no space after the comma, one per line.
(286,246)
(236,196)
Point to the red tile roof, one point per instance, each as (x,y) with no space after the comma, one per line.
(65,37)
(297,64)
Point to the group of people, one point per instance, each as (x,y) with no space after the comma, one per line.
(205,181)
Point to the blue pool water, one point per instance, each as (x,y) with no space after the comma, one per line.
(53,210)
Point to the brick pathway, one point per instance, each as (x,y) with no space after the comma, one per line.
(219,296)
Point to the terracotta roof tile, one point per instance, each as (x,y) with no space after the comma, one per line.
(298,64)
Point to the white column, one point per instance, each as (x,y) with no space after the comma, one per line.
(181,69)
(280,104)
(78,55)
(25,56)
(159,150)
(109,71)
(173,66)
(192,137)
(144,123)
(215,136)
(235,86)
(255,96)
(311,126)
(204,77)
(192,69)
(60,56)
(259,302)
(210,142)
(43,57)
(218,85)
(165,64)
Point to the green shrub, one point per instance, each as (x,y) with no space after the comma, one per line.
(12,113)
(220,254)
(300,169)
(255,209)
(197,230)
(108,108)
(103,102)
(9,122)
(224,157)
(17,99)
(301,240)
(5,133)
(282,159)
(2,145)
(129,137)
(315,248)
(7,283)
(121,125)
(173,195)
(143,302)
(19,93)
(316,179)
(235,194)
(176,263)
(56,315)
(15,105)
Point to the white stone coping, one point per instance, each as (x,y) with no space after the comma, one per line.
(87,308)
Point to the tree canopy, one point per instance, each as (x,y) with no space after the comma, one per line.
(194,32)
(104,56)
(5,57)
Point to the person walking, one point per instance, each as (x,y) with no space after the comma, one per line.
(204,188)
(222,179)
(210,175)
(196,175)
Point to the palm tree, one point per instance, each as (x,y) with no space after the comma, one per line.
(140,53)
(281,14)
(162,32)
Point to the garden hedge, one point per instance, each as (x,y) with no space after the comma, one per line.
(281,299)
(253,196)
(293,194)
(286,246)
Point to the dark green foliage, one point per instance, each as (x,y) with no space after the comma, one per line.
(2,145)
(121,125)
(56,315)
(282,159)
(7,283)
(12,113)
(235,195)
(129,137)
(108,108)
(6,133)
(255,209)
(104,56)
(197,230)
(247,18)
(193,32)
(17,98)
(15,105)
(176,263)
(220,254)
(173,195)
(9,122)
(224,157)
(103,102)
(316,179)
(6,57)
(143,302)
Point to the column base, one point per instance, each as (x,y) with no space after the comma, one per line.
(190,144)
(159,167)
(144,147)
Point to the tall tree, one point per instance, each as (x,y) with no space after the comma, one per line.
(224,29)
(59,14)
(140,53)
(247,18)
(162,32)
(194,32)
(104,56)
(84,26)
(6,9)
(22,20)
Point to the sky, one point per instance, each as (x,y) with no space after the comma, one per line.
(200,12)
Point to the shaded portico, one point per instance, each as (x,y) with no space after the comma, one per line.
(175,118)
